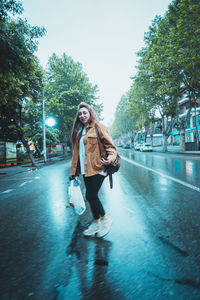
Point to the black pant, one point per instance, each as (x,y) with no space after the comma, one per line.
(93,184)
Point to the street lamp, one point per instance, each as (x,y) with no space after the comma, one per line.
(44,130)
(49,122)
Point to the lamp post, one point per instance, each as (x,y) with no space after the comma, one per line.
(50,122)
(44,130)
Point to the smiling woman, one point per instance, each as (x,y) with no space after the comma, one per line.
(88,162)
(84,116)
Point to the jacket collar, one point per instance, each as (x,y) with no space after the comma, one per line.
(92,124)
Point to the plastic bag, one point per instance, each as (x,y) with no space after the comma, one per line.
(76,200)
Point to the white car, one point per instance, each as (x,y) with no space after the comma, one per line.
(137,146)
(146,147)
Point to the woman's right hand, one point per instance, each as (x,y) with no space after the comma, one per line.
(106,161)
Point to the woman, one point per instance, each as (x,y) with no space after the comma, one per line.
(86,160)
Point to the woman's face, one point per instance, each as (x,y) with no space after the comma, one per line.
(84,116)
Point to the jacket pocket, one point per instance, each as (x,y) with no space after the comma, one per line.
(92,139)
(96,162)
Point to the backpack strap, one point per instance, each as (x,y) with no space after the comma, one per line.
(100,144)
(102,154)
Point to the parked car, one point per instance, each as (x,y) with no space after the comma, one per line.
(137,146)
(120,145)
(146,147)
(127,146)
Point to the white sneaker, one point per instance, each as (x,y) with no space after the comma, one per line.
(104,227)
(92,229)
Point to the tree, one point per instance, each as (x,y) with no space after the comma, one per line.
(66,86)
(21,75)
(168,65)
(142,98)
(175,60)
(32,124)
(123,123)
(184,36)
(9,7)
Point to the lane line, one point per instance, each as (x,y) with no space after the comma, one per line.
(193,187)
(22,184)
(130,210)
(7,191)
(11,179)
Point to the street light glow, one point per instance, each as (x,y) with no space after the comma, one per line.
(50,122)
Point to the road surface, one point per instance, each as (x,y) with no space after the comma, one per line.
(151,252)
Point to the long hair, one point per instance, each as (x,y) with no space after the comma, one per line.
(78,125)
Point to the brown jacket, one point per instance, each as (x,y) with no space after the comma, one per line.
(92,162)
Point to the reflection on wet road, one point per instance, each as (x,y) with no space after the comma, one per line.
(163,175)
(151,252)
(180,166)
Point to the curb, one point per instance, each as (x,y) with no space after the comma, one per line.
(13,170)
(178,152)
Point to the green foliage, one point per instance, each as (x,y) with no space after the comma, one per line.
(22,81)
(123,122)
(21,75)
(67,85)
(9,7)
(168,65)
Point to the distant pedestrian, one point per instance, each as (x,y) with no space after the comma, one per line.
(86,160)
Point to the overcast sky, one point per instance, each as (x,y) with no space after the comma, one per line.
(103,35)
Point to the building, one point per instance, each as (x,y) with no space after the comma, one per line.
(192,125)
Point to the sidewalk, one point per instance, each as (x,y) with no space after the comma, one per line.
(13,170)
(175,149)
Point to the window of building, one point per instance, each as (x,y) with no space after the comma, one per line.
(188,137)
(198,120)
(182,110)
(188,124)
(193,121)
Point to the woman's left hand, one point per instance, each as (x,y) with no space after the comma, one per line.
(106,161)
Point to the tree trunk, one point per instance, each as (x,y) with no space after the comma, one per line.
(66,140)
(164,133)
(164,138)
(151,136)
(26,145)
(196,129)
(182,140)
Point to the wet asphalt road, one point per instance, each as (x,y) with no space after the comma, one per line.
(151,252)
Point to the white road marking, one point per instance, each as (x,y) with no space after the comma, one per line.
(132,211)
(11,179)
(22,184)
(7,191)
(195,188)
